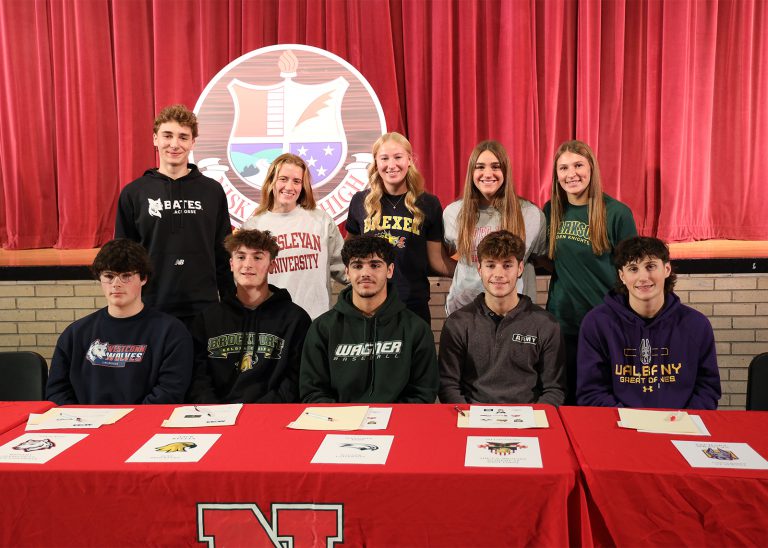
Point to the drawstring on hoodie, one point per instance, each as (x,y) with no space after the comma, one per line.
(177,221)
(373,355)
(245,323)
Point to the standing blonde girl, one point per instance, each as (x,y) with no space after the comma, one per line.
(397,208)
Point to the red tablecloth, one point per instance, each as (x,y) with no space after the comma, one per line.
(260,472)
(642,492)
(14,413)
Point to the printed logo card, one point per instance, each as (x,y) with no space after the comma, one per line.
(345,449)
(490,416)
(174,448)
(710,454)
(503,452)
(37,448)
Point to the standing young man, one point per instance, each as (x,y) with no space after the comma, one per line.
(126,353)
(642,347)
(369,347)
(181,218)
(248,346)
(501,348)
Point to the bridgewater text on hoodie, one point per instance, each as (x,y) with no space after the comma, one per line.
(245,355)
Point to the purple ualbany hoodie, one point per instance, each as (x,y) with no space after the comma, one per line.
(627,361)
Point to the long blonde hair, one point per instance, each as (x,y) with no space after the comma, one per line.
(414,183)
(306,198)
(598,230)
(505,201)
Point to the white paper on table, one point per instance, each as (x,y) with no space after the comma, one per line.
(539,416)
(659,422)
(75,417)
(377,418)
(712,454)
(335,417)
(503,452)
(37,448)
(695,419)
(492,416)
(198,416)
(174,448)
(353,449)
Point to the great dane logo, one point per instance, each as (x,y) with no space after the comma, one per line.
(288,98)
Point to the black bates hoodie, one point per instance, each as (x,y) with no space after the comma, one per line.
(182,224)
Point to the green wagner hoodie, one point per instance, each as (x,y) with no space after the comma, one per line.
(387,358)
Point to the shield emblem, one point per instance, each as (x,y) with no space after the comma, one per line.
(304,119)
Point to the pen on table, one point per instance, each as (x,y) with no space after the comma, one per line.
(674,416)
(460,412)
(316,416)
(201,411)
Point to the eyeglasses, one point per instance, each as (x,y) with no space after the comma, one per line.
(110,277)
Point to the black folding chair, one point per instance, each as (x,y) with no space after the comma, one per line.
(757,383)
(22,376)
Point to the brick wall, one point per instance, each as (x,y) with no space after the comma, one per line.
(33,314)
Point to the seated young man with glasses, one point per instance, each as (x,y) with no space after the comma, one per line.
(125,353)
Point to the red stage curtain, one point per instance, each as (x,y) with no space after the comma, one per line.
(672,96)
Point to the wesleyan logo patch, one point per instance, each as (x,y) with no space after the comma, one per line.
(288,98)
(115,355)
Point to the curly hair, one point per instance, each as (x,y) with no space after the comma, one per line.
(122,255)
(253,239)
(501,244)
(367,245)
(636,248)
(179,114)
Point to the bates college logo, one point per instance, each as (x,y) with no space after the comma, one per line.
(288,98)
